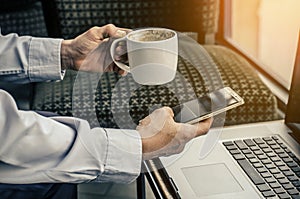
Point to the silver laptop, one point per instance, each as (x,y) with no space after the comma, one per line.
(258,160)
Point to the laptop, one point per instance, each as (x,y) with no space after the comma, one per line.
(258,160)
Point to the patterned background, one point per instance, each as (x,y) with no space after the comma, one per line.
(113,100)
(76,16)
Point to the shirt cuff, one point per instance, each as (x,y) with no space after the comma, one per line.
(99,155)
(44,59)
(124,156)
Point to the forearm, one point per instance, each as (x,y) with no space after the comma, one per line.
(66,55)
(63,149)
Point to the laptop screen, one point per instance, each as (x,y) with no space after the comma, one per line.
(293,106)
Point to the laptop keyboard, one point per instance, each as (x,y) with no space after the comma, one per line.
(271,166)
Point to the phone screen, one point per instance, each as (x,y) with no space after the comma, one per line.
(207,104)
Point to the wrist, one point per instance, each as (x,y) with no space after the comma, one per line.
(66,55)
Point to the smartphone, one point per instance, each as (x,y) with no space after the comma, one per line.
(207,106)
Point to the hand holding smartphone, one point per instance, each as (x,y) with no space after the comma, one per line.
(207,106)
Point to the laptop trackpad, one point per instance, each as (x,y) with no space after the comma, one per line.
(211,179)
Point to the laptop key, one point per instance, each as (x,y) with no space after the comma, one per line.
(267,150)
(258,165)
(253,160)
(262,169)
(263,187)
(279,176)
(279,151)
(266,161)
(283,181)
(270,166)
(228,143)
(262,157)
(292,178)
(287,186)
(254,148)
(293,191)
(283,155)
(274,171)
(279,190)
(296,160)
(270,180)
(231,147)
(240,144)
(275,185)
(266,175)
(258,152)
(258,141)
(296,183)
(234,152)
(284,196)
(279,163)
(272,154)
(284,168)
(274,137)
(288,173)
(263,146)
(272,142)
(249,142)
(246,151)
(251,172)
(287,159)
(275,159)
(268,194)
(296,196)
(292,164)
(250,155)
(267,139)
(238,156)
(296,169)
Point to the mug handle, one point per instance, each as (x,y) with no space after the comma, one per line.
(112,53)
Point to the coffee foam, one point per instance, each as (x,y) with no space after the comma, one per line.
(151,35)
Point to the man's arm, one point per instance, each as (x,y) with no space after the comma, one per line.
(63,149)
(34,148)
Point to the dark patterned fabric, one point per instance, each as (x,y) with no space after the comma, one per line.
(109,100)
(27,21)
(76,16)
(9,5)
(260,104)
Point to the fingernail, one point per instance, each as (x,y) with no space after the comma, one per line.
(120,33)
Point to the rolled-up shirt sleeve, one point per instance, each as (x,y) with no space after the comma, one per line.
(29,59)
(63,149)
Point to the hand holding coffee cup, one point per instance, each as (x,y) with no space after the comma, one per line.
(152,55)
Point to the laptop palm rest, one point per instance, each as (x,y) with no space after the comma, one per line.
(211,179)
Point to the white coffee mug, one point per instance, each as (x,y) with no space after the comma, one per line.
(152,55)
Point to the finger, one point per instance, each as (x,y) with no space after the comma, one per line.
(169,111)
(146,121)
(118,70)
(120,49)
(122,73)
(104,32)
(120,33)
(109,30)
(203,126)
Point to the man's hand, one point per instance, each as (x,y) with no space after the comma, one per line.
(162,136)
(90,51)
